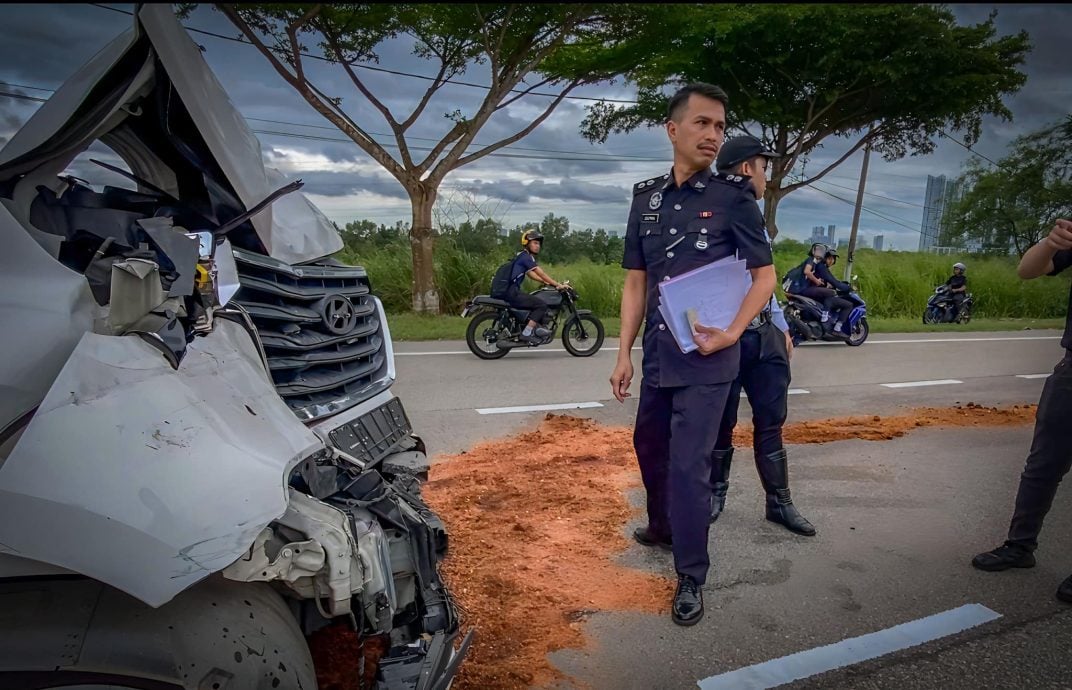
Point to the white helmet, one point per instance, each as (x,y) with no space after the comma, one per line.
(960,266)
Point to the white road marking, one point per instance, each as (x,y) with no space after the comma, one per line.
(1032,376)
(792,391)
(854,650)
(810,344)
(914,384)
(538,408)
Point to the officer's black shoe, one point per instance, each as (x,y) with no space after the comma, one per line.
(720,476)
(774,474)
(1064,592)
(645,536)
(1004,557)
(688,602)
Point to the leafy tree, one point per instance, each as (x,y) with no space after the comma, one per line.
(894,76)
(562,46)
(1015,204)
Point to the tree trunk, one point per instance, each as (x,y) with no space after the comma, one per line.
(770,209)
(422,245)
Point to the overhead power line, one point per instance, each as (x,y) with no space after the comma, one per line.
(397,73)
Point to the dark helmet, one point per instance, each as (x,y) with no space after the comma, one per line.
(530,235)
(830,251)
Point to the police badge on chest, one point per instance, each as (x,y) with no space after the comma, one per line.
(655,201)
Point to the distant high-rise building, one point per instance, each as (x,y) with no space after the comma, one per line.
(879,241)
(825,235)
(940,194)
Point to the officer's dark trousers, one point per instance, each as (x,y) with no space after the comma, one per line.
(1049,459)
(674,437)
(765,379)
(523,300)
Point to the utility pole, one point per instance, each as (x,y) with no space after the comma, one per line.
(856,213)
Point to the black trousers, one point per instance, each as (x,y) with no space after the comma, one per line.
(1049,459)
(839,307)
(765,379)
(523,300)
(673,439)
(958,301)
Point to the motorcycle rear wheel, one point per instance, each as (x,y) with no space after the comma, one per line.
(482,334)
(582,335)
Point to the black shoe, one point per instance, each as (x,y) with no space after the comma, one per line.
(688,602)
(1004,557)
(644,536)
(720,475)
(531,339)
(774,475)
(1064,592)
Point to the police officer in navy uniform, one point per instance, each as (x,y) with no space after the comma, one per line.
(1051,449)
(678,222)
(765,352)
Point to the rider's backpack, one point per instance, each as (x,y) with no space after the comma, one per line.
(500,283)
(793,280)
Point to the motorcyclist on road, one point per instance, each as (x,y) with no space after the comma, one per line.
(816,272)
(525,264)
(839,307)
(958,285)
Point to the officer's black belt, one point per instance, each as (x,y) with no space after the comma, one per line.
(762,319)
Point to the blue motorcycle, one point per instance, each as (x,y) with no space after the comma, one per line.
(807,320)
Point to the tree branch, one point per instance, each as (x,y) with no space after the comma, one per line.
(316,98)
(437,84)
(871,134)
(292,34)
(400,140)
(522,133)
(522,94)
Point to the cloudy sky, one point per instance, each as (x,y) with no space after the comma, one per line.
(552,170)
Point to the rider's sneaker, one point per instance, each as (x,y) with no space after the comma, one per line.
(531,339)
(541,332)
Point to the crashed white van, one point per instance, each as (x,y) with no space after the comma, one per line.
(205,481)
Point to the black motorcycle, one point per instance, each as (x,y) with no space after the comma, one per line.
(942,309)
(805,319)
(496,326)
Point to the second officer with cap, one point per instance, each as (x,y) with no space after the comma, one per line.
(764,375)
(678,222)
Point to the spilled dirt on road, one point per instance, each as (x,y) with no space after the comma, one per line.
(536,521)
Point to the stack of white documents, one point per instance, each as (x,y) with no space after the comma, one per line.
(715,292)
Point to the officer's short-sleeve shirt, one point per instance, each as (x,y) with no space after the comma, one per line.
(1061,261)
(673,230)
(524,263)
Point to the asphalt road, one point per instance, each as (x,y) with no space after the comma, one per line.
(898,520)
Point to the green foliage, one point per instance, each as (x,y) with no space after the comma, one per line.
(1016,203)
(894,75)
(894,284)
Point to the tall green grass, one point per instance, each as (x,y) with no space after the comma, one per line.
(894,284)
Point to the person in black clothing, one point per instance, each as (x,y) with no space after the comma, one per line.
(839,307)
(766,349)
(526,265)
(958,285)
(1051,448)
(680,221)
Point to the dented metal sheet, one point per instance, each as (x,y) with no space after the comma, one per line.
(45,309)
(292,229)
(101,482)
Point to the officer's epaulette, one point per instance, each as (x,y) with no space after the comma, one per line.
(647,185)
(730,179)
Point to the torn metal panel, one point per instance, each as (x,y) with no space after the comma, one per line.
(45,309)
(291,229)
(54,113)
(101,481)
(135,291)
(180,250)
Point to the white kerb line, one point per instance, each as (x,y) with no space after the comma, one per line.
(1032,376)
(852,651)
(538,408)
(915,384)
(791,391)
